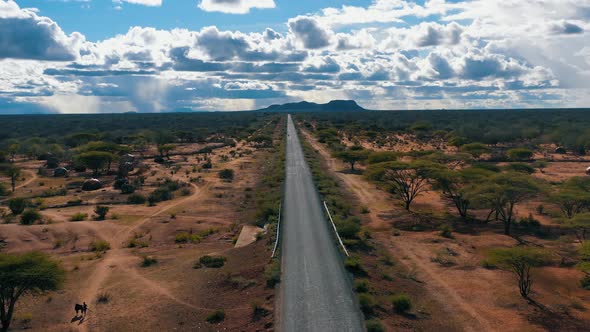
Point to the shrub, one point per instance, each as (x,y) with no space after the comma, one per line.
(401,303)
(272,273)
(446,231)
(29,217)
(136,243)
(226,174)
(3,190)
(127,189)
(79,216)
(585,282)
(148,261)
(349,228)
(520,154)
(159,195)
(185,237)
(101,212)
(17,205)
(361,285)
(212,261)
(103,297)
(100,246)
(216,316)
(353,264)
(136,199)
(367,303)
(374,325)
(520,167)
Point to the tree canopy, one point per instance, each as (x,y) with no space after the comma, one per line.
(22,274)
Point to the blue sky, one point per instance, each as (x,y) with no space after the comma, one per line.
(101,56)
(99,19)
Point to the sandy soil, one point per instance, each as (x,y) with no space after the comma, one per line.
(170,295)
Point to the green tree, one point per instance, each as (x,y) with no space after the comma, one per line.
(13,150)
(580,224)
(22,274)
(408,180)
(454,183)
(353,156)
(11,172)
(571,201)
(164,150)
(101,212)
(520,261)
(96,160)
(501,192)
(17,205)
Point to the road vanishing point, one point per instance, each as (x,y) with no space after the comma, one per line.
(315,292)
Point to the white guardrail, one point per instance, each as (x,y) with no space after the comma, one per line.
(274,250)
(335,230)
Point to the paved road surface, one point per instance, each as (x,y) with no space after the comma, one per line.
(316,295)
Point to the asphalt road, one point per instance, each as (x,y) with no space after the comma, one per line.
(316,295)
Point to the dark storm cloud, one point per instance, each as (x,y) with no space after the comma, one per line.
(34,38)
(309,32)
(182,63)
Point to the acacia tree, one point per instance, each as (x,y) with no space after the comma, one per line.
(571,201)
(454,183)
(580,224)
(13,173)
(21,274)
(501,192)
(520,261)
(408,180)
(96,160)
(353,156)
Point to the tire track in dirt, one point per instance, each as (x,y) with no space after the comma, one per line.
(372,197)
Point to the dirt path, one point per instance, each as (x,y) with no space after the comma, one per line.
(118,255)
(376,201)
(28,181)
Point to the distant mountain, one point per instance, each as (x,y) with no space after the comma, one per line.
(304,106)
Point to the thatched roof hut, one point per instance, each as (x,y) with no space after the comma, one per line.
(560,150)
(588,171)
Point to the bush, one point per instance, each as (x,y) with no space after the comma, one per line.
(361,285)
(446,231)
(103,297)
(353,265)
(520,154)
(208,164)
(136,199)
(136,243)
(367,303)
(585,282)
(520,167)
(3,190)
(401,303)
(148,261)
(17,205)
(101,212)
(349,229)
(212,261)
(100,246)
(159,195)
(272,273)
(216,316)
(29,217)
(226,174)
(185,237)
(127,189)
(374,325)
(79,216)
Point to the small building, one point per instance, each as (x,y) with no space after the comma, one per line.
(91,184)
(60,172)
